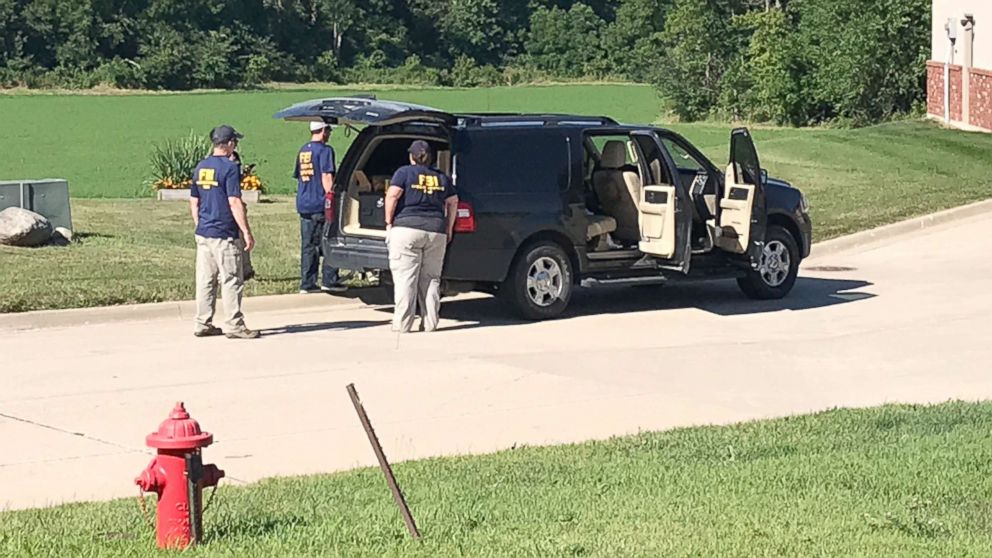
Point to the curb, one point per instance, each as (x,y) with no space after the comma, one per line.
(180,310)
(879,235)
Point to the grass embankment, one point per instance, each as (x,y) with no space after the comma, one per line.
(141,251)
(892,481)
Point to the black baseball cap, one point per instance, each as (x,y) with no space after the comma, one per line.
(419,147)
(223,134)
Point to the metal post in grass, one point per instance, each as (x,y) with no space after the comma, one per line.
(383,463)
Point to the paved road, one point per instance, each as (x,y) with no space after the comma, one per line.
(904,321)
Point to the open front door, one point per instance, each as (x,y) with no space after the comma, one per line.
(664,208)
(743,216)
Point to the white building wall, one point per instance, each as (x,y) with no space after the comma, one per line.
(956,9)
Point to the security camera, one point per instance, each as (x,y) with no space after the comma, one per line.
(952,29)
(969,19)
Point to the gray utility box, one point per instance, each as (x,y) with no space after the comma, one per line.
(48,197)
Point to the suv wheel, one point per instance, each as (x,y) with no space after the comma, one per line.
(779,267)
(540,283)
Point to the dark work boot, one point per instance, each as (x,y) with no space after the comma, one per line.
(209,331)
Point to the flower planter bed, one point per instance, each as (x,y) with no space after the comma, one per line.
(179,194)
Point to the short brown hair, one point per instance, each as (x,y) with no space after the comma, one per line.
(424,159)
(420,151)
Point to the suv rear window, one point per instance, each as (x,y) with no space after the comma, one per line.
(512,161)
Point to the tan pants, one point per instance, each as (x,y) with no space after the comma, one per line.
(219,262)
(415,260)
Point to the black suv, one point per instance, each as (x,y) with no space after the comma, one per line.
(551,202)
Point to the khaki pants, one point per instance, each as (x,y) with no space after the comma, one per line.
(415,260)
(246,266)
(219,262)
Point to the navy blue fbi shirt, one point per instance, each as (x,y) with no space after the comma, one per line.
(215,180)
(424,192)
(314,160)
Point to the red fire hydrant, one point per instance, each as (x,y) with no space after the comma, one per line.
(177,475)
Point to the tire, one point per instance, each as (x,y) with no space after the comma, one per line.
(776,277)
(540,282)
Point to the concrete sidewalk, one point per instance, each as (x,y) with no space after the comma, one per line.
(904,321)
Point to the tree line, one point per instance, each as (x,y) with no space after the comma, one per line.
(786,61)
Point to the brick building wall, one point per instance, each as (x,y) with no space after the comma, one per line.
(935,90)
(980,95)
(956,93)
(961,32)
(981,99)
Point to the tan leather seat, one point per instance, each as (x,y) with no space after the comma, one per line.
(619,190)
(600,225)
(444,161)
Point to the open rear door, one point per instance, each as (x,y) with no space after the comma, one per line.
(664,208)
(743,215)
(362,111)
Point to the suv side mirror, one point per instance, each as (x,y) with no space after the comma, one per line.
(764,176)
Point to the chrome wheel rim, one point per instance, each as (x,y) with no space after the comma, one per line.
(545,282)
(775,263)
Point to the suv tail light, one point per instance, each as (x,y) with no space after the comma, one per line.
(465,218)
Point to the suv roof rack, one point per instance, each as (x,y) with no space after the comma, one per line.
(536,119)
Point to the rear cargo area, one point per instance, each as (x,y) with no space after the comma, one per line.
(363,206)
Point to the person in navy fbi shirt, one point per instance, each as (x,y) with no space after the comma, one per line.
(222,237)
(421,206)
(315,182)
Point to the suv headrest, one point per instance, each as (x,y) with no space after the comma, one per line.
(614,155)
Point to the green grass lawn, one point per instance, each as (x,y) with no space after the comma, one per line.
(892,481)
(132,251)
(141,251)
(101,143)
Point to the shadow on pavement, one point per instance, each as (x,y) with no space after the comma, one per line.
(373,296)
(718,297)
(329,326)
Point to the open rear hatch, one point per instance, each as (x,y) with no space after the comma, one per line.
(358,239)
(362,111)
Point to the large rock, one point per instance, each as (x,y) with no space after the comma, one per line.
(20,227)
(61,236)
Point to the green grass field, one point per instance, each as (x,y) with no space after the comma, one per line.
(132,251)
(892,481)
(101,143)
(141,250)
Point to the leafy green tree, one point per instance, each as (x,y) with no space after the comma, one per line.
(471,28)
(766,81)
(565,43)
(167,60)
(699,40)
(788,61)
(466,73)
(633,43)
(867,56)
